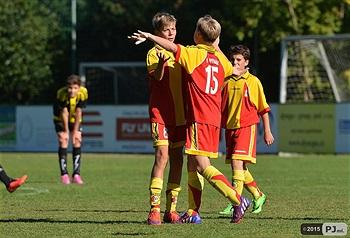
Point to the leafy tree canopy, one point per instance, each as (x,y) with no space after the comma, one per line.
(26,29)
(35,39)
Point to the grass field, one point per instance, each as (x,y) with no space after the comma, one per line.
(114,201)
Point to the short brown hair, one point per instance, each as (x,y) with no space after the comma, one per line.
(209,28)
(238,50)
(73,79)
(161,19)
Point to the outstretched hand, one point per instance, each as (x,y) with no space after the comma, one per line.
(139,37)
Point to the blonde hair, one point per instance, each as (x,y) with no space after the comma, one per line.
(161,19)
(209,28)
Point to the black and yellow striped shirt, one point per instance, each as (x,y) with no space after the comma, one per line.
(63,100)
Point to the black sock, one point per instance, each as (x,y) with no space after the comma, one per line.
(62,159)
(4,178)
(76,160)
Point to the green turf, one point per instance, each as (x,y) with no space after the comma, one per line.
(114,200)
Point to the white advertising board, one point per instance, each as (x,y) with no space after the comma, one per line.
(261,147)
(115,129)
(34,129)
(122,129)
(342,136)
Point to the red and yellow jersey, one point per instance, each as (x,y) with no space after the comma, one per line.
(167,104)
(206,69)
(63,100)
(243,99)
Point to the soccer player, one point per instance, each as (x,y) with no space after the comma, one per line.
(10,183)
(67,112)
(206,68)
(167,118)
(243,100)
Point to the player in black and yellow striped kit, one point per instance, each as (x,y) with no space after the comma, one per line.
(67,111)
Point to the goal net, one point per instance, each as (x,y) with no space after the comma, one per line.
(116,83)
(315,68)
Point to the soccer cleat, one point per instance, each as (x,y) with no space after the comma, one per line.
(258,203)
(16,183)
(228,210)
(187,218)
(238,211)
(77,179)
(65,179)
(171,217)
(154,218)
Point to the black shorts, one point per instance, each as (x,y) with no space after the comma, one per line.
(59,126)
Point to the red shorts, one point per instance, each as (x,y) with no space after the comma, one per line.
(241,144)
(202,139)
(172,136)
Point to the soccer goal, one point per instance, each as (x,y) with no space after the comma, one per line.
(115,83)
(315,68)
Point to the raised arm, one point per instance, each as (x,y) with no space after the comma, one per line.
(141,36)
(159,71)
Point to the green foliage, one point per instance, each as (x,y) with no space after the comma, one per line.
(114,201)
(26,28)
(35,44)
(346,78)
(272,20)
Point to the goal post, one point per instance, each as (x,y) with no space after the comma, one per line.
(116,83)
(315,68)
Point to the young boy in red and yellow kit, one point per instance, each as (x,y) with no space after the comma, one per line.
(243,101)
(167,117)
(207,68)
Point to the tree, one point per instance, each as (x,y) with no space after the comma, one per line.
(35,40)
(26,28)
(261,24)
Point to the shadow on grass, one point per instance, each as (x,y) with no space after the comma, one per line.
(93,210)
(47,220)
(284,218)
(133,234)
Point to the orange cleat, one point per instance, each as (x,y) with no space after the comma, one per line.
(171,217)
(16,183)
(154,218)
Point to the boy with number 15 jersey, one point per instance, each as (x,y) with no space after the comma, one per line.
(207,67)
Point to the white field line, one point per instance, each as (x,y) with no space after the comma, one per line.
(32,191)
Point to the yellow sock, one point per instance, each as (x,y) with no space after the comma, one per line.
(238,180)
(221,184)
(155,188)
(250,185)
(195,189)
(172,192)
